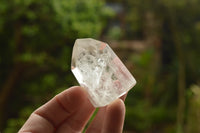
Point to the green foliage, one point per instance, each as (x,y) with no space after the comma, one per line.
(155,98)
(114,33)
(144,59)
(81,18)
(13,125)
(193,112)
(145,116)
(36,40)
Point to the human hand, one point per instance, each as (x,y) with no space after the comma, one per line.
(69,112)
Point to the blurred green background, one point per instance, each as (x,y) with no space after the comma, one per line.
(158,40)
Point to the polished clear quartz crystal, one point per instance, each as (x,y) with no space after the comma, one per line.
(98,69)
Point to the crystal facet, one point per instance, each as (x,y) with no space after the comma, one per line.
(98,69)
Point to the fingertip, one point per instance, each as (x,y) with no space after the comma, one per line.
(114,120)
(84,110)
(117,107)
(124,97)
(72,97)
(75,94)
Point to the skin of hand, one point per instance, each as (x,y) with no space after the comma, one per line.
(69,112)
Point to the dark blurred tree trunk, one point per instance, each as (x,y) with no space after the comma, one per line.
(13,77)
(181,70)
(151,28)
(6,90)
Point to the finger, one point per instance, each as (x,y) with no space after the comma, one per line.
(114,117)
(97,123)
(50,115)
(37,124)
(77,123)
(124,96)
(78,120)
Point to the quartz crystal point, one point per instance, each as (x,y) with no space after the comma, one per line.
(98,69)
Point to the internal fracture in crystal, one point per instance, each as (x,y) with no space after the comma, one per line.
(98,69)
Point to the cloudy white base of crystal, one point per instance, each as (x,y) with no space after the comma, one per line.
(98,69)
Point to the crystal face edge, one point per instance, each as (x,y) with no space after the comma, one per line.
(104,76)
